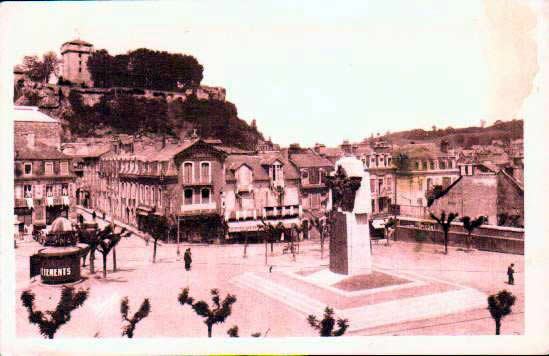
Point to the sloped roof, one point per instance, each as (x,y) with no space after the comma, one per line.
(305,160)
(421,151)
(260,172)
(269,158)
(85,150)
(31,114)
(40,151)
(515,182)
(78,42)
(331,151)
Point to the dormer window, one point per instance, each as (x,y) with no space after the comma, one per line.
(276,170)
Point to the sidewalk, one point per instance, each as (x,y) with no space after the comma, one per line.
(133,230)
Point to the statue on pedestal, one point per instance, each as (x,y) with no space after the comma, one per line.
(351,203)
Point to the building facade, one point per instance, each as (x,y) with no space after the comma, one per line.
(378,161)
(44,179)
(260,187)
(420,167)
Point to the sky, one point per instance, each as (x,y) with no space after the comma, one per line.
(319,71)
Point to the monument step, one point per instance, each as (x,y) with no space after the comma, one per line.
(298,301)
(372,315)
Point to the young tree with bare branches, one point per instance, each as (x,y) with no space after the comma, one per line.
(51,320)
(445,224)
(129,327)
(218,314)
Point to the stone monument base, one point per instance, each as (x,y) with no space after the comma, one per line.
(350,244)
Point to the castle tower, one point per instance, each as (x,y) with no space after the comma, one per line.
(75,59)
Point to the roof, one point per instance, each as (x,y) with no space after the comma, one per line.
(422,151)
(512,180)
(40,151)
(305,160)
(85,149)
(232,150)
(213,141)
(31,114)
(260,172)
(78,42)
(268,158)
(331,151)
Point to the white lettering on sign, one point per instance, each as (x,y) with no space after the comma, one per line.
(55,272)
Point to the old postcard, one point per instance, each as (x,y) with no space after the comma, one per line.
(251,177)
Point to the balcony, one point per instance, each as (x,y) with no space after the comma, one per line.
(206,181)
(307,185)
(198,209)
(244,188)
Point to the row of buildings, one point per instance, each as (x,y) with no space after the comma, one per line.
(207,189)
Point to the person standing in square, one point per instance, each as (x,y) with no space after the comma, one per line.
(510,272)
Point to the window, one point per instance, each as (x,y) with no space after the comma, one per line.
(466,170)
(65,189)
(429,183)
(28,168)
(420,202)
(147,195)
(380,185)
(49,190)
(373,205)
(188,196)
(389,161)
(205,171)
(446,182)
(304,174)
(420,184)
(49,168)
(424,165)
(442,164)
(64,168)
(160,197)
(417,164)
(79,55)
(80,69)
(28,190)
(187,172)
(432,164)
(205,196)
(451,163)
(314,178)
(373,185)
(276,172)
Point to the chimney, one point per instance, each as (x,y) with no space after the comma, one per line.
(30,141)
(444,146)
(294,148)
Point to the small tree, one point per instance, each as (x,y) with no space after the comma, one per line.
(499,306)
(108,239)
(272,232)
(445,223)
(470,226)
(159,227)
(50,321)
(298,229)
(215,315)
(325,326)
(141,314)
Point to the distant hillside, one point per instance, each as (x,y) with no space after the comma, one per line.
(462,137)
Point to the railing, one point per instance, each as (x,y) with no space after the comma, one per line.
(199,181)
(264,213)
(198,208)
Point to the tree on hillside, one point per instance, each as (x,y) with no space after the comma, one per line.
(445,224)
(325,326)
(212,315)
(131,323)
(499,306)
(50,321)
(470,225)
(39,70)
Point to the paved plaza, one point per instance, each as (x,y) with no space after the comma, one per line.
(438,294)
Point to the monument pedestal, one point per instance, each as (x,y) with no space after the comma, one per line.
(350,244)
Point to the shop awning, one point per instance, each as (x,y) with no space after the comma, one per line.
(253,225)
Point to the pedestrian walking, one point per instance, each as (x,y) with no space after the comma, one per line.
(94,215)
(188,259)
(103,215)
(510,272)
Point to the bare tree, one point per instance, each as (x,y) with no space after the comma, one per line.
(215,315)
(131,323)
(51,320)
(499,306)
(445,224)
(325,326)
(272,232)
(471,225)
(108,239)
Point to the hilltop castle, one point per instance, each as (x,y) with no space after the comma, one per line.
(75,56)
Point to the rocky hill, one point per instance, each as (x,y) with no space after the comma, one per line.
(93,112)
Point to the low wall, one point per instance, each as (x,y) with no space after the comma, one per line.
(479,240)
